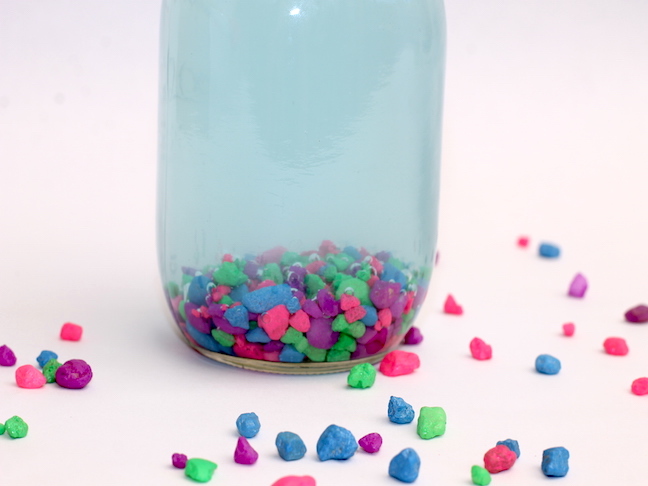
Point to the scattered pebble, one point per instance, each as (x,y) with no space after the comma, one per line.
(371,443)
(336,443)
(45,356)
(578,286)
(49,370)
(431,422)
(480,476)
(244,452)
(71,332)
(637,314)
(640,386)
(7,356)
(74,373)
(616,346)
(568,329)
(362,376)
(547,364)
(2,428)
(499,458)
(480,350)
(16,427)
(179,460)
(248,424)
(413,336)
(555,462)
(28,376)
(451,307)
(397,363)
(405,466)
(523,241)
(511,444)
(290,446)
(295,481)
(548,250)
(399,411)
(200,470)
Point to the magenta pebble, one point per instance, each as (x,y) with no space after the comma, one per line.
(371,442)
(74,373)
(413,336)
(244,452)
(578,286)
(638,314)
(7,356)
(179,460)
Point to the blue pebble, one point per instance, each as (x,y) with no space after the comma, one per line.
(548,250)
(290,355)
(290,446)
(207,341)
(248,424)
(336,443)
(293,305)
(547,364)
(257,335)
(399,411)
(511,444)
(405,466)
(197,291)
(237,293)
(264,299)
(237,316)
(390,272)
(555,462)
(45,356)
(352,252)
(371,317)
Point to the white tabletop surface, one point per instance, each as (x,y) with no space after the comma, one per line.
(545,135)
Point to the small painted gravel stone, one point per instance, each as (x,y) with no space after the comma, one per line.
(431,422)
(548,250)
(179,460)
(71,332)
(399,411)
(480,350)
(640,386)
(371,443)
(397,363)
(290,446)
(547,364)
(413,336)
(555,462)
(511,444)
(480,476)
(295,481)
(7,356)
(450,306)
(405,466)
(244,452)
(362,376)
(49,370)
(568,329)
(498,459)
(248,424)
(74,373)
(16,427)
(45,356)
(637,314)
(615,346)
(28,376)
(336,443)
(200,470)
(578,286)
(523,241)
(2,428)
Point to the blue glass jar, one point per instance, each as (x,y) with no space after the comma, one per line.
(299,147)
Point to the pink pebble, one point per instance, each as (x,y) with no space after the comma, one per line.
(568,329)
(480,350)
(314,266)
(27,376)
(348,301)
(640,386)
(578,286)
(300,321)
(384,319)
(413,336)
(498,459)
(355,314)
(451,307)
(7,356)
(523,241)
(295,481)
(371,443)
(71,332)
(275,321)
(244,452)
(179,460)
(266,283)
(616,346)
(397,363)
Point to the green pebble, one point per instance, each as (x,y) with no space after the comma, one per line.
(339,278)
(291,336)
(49,370)
(229,274)
(289,258)
(315,354)
(340,260)
(356,329)
(172,289)
(396,262)
(362,376)
(480,476)
(271,271)
(345,343)
(253,325)
(330,272)
(240,264)
(16,427)
(223,338)
(363,275)
(313,284)
(337,355)
(2,428)
(200,470)
(186,279)
(340,323)
(356,287)
(226,299)
(431,422)
(181,310)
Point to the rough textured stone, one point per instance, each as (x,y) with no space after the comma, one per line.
(336,443)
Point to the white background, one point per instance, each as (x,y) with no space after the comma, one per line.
(546,134)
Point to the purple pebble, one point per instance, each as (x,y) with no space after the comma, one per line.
(578,286)
(179,460)
(383,256)
(74,373)
(413,336)
(273,346)
(311,308)
(244,452)
(638,314)
(398,306)
(7,356)
(224,325)
(200,323)
(330,307)
(320,335)
(383,293)
(371,442)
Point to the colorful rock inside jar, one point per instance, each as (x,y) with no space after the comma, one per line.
(329,304)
